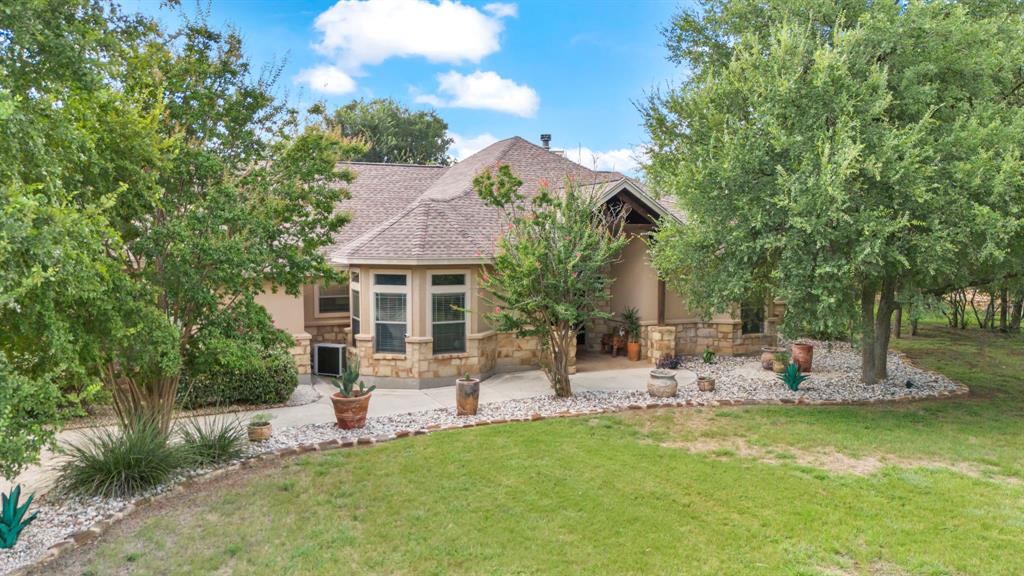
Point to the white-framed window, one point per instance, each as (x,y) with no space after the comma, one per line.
(353,283)
(331,299)
(448,295)
(390,311)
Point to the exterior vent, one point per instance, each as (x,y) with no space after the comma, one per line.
(328,359)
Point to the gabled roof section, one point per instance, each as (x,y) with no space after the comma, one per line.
(432,215)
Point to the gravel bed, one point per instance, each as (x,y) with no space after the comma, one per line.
(834,379)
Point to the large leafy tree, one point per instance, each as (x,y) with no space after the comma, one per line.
(838,154)
(393,133)
(550,272)
(150,187)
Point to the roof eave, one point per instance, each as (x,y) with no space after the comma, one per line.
(383,261)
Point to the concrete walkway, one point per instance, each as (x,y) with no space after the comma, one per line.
(498,388)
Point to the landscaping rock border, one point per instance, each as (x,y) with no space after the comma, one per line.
(62,527)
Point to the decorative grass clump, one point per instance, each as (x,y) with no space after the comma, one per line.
(118,463)
(215,440)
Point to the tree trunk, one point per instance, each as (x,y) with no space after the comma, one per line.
(897,325)
(1016,313)
(556,364)
(1003,309)
(883,328)
(867,323)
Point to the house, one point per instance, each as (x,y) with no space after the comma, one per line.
(419,239)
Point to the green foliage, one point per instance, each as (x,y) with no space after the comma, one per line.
(29,408)
(392,133)
(212,440)
(782,357)
(548,276)
(835,155)
(708,356)
(120,463)
(346,385)
(226,371)
(792,376)
(631,322)
(260,419)
(12,517)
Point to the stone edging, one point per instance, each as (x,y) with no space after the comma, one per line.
(90,534)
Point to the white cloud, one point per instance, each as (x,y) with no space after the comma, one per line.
(485,91)
(326,79)
(463,146)
(502,10)
(626,160)
(357,33)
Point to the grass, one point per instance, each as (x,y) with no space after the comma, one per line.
(614,495)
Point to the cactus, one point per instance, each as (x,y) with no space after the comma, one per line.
(12,517)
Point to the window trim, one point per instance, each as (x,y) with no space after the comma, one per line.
(354,293)
(316,303)
(464,289)
(388,289)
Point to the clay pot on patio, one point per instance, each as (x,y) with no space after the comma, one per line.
(803,354)
(350,412)
(779,366)
(705,384)
(662,383)
(768,356)
(259,433)
(633,351)
(467,396)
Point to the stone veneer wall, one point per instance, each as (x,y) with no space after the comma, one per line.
(516,353)
(301,353)
(420,363)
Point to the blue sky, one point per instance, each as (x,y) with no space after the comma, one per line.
(492,69)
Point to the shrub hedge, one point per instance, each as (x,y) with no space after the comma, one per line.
(228,371)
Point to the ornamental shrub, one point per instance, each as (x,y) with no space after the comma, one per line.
(225,371)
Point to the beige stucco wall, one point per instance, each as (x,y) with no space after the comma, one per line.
(285,309)
(636,282)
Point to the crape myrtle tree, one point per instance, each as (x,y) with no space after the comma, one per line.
(549,274)
(836,155)
(240,200)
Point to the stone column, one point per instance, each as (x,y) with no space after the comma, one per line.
(661,341)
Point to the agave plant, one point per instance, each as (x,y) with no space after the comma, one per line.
(792,376)
(350,379)
(12,517)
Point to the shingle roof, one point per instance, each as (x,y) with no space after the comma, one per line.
(425,213)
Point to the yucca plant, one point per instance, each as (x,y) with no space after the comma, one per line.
(212,440)
(120,463)
(12,517)
(708,356)
(792,376)
(346,385)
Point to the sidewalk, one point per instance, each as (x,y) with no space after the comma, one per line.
(498,388)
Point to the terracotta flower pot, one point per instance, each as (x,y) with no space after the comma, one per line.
(803,354)
(633,351)
(768,356)
(467,396)
(350,412)
(259,433)
(662,383)
(705,384)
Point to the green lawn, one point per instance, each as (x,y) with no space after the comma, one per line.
(629,494)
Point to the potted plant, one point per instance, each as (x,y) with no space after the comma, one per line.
(780,361)
(662,383)
(350,402)
(631,322)
(259,427)
(705,384)
(768,356)
(803,354)
(467,395)
(708,357)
